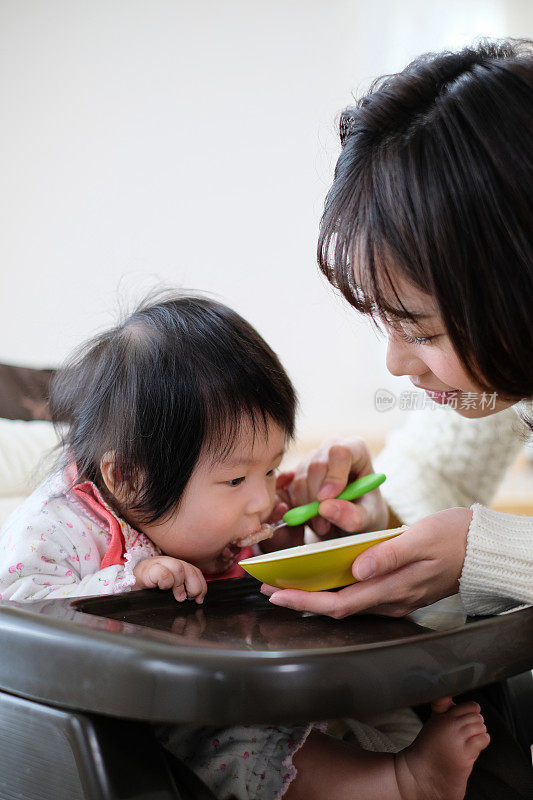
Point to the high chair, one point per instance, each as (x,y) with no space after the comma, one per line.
(83,681)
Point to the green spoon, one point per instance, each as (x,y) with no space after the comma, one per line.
(301,514)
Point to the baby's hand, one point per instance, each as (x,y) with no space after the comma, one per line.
(164,572)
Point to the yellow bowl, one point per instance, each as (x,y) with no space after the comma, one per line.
(316,566)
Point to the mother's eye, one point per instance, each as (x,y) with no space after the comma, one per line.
(416,339)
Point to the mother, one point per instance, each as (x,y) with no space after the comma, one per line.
(428,228)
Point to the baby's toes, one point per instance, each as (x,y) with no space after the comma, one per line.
(465,708)
(442,704)
(476,739)
(472,727)
(470,719)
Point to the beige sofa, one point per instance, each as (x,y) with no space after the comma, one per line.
(27,452)
(27,440)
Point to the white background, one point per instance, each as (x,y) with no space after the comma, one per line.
(192,144)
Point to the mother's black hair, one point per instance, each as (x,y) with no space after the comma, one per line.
(178,378)
(435,180)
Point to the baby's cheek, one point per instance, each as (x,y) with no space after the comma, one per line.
(266,517)
(220,526)
(273,503)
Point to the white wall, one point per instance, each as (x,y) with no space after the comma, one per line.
(193,144)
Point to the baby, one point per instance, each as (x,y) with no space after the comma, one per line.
(177,420)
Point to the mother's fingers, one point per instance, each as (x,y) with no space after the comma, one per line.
(386,557)
(349,517)
(395,594)
(350,600)
(344,461)
(325,472)
(307,480)
(328,603)
(284,480)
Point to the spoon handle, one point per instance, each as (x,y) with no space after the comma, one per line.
(301,514)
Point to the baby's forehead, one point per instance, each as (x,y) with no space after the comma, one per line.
(250,445)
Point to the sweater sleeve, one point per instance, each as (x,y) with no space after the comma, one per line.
(498,569)
(439,460)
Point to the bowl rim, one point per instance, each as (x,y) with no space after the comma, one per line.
(314,548)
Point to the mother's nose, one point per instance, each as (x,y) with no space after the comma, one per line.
(402,358)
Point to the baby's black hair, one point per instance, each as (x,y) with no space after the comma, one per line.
(435,181)
(177,378)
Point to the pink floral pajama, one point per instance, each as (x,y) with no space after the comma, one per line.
(245,762)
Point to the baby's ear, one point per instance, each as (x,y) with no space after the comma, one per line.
(111,475)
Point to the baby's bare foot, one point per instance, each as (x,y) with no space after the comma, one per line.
(437,765)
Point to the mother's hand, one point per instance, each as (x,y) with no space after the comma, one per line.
(397,576)
(323,475)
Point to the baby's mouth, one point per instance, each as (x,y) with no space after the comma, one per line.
(223,561)
(265,532)
(230,552)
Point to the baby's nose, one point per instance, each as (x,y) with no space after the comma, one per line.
(261,500)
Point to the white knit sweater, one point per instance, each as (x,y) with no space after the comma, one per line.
(439,460)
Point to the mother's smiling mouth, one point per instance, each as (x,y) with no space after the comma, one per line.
(441,396)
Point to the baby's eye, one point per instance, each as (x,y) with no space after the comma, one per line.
(271,472)
(235,481)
